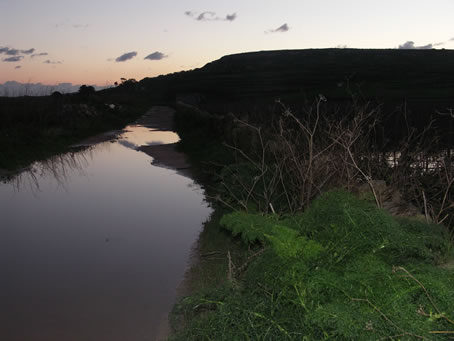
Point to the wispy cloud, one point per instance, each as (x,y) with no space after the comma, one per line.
(52,62)
(410,45)
(80,25)
(12,52)
(18,67)
(156,56)
(210,16)
(68,24)
(15,52)
(39,54)
(126,56)
(230,17)
(29,51)
(13,59)
(9,51)
(37,89)
(206,16)
(280,29)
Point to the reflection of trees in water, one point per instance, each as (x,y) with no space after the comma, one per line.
(424,162)
(57,167)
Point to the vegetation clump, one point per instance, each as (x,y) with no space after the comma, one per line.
(343,270)
(37,127)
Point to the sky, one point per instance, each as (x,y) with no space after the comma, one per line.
(98,42)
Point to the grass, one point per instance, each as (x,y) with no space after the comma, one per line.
(209,270)
(342,270)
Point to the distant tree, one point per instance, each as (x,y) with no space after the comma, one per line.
(128,81)
(56,94)
(57,97)
(86,91)
(129,84)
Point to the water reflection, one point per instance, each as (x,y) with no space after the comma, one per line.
(141,136)
(423,161)
(94,243)
(57,167)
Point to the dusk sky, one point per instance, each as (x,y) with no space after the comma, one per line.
(100,41)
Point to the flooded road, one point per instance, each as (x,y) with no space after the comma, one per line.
(93,243)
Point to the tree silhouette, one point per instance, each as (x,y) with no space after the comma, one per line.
(86,91)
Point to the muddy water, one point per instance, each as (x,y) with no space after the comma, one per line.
(94,243)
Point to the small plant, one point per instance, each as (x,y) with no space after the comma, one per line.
(252,228)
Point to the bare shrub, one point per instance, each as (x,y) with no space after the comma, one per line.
(300,156)
(291,161)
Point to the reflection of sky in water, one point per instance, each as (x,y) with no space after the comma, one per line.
(98,258)
(140,136)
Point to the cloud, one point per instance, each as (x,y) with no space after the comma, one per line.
(13,89)
(51,62)
(8,51)
(12,52)
(39,54)
(128,144)
(209,16)
(156,56)
(29,51)
(13,59)
(281,29)
(206,16)
(68,24)
(80,25)
(410,45)
(15,52)
(126,56)
(18,67)
(452,39)
(230,17)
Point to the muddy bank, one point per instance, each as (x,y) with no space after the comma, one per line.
(166,155)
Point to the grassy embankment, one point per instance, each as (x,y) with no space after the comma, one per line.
(337,267)
(34,128)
